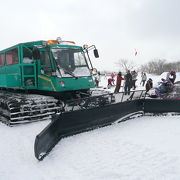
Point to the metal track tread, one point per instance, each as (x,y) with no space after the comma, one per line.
(22,108)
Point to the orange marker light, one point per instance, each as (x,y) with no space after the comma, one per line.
(49,42)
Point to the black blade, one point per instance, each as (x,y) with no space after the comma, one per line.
(83,120)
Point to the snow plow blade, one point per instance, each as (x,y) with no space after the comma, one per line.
(74,122)
(160,106)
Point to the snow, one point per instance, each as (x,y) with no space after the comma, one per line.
(145,148)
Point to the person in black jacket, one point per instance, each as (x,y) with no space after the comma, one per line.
(172,76)
(149,84)
(128,82)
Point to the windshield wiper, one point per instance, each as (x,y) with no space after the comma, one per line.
(70,73)
(65,71)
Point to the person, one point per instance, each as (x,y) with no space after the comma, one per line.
(110,82)
(112,76)
(172,76)
(118,82)
(134,79)
(149,84)
(166,86)
(97,79)
(128,82)
(27,60)
(143,78)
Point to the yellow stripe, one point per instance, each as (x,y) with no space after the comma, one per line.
(42,77)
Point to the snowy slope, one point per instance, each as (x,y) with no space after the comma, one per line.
(145,148)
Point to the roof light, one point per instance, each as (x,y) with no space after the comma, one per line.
(49,42)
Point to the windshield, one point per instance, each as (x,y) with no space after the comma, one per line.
(70,62)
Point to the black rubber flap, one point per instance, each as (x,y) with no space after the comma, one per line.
(161,105)
(75,122)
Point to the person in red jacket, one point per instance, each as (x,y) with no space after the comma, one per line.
(110,82)
(118,82)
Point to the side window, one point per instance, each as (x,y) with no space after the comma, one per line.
(1,59)
(12,56)
(27,55)
(45,63)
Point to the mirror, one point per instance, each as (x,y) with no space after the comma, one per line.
(36,53)
(96,54)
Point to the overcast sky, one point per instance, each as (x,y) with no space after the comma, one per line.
(116,27)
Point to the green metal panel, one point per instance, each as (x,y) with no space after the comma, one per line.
(46,83)
(3,76)
(71,84)
(13,76)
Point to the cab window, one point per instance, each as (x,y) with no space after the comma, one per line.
(12,56)
(1,59)
(46,67)
(27,55)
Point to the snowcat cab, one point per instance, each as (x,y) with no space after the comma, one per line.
(61,67)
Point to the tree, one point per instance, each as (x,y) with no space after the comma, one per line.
(159,66)
(125,65)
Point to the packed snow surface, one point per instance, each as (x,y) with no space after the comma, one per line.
(144,148)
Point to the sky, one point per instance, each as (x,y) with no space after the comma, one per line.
(118,28)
